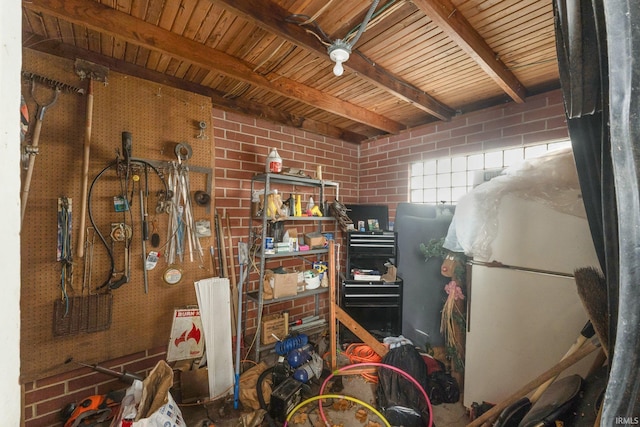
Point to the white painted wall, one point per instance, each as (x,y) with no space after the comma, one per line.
(10,65)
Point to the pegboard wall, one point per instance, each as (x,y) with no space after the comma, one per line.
(158,118)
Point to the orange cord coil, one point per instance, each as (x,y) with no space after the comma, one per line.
(362,353)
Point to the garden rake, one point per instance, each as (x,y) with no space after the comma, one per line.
(42,107)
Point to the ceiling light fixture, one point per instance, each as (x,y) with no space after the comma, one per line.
(339,52)
(340,49)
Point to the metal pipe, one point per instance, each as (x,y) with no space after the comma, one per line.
(125,376)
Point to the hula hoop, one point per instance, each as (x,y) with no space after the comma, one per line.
(383,365)
(336,396)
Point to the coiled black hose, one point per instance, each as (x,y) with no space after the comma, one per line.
(108,283)
(261,401)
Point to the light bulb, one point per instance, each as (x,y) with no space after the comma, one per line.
(339,53)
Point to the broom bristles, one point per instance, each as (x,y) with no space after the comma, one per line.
(592,289)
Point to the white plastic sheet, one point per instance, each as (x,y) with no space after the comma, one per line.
(550,179)
(214,301)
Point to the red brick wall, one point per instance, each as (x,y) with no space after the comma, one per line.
(45,398)
(384,163)
(375,172)
(242,145)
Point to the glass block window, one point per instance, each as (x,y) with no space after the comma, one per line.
(446,180)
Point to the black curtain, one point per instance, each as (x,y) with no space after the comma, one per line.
(596,45)
(623,40)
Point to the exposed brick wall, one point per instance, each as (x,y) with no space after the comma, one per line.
(384,162)
(242,145)
(375,172)
(45,398)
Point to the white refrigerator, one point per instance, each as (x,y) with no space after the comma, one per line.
(521,323)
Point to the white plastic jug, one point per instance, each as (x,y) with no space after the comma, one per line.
(274,162)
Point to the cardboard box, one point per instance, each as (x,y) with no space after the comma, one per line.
(285,284)
(194,385)
(290,232)
(291,236)
(275,324)
(315,240)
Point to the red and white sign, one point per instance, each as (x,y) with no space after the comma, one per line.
(187,338)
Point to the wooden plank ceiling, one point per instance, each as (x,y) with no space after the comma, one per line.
(418,61)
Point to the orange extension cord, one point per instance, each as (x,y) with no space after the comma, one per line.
(360,353)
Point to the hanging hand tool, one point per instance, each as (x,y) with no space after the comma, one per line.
(144,195)
(64,249)
(90,240)
(144,243)
(93,72)
(181,226)
(127,149)
(124,171)
(144,207)
(175,224)
(155,237)
(42,108)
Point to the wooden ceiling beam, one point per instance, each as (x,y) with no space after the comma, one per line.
(252,109)
(271,17)
(104,19)
(445,15)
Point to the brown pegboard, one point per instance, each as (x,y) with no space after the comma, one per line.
(158,118)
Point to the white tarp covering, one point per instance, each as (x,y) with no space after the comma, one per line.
(550,179)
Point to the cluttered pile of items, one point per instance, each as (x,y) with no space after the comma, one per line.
(404,384)
(298,385)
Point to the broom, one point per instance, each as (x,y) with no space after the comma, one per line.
(592,290)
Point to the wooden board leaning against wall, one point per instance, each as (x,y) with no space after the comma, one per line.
(158,119)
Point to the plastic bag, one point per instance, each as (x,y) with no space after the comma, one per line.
(442,388)
(403,416)
(396,394)
(248,383)
(149,403)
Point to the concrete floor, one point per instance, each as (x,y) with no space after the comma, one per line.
(222,414)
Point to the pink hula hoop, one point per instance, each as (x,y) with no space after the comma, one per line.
(381,365)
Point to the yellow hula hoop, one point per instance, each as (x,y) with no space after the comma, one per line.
(336,396)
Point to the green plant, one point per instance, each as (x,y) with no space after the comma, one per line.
(434,248)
